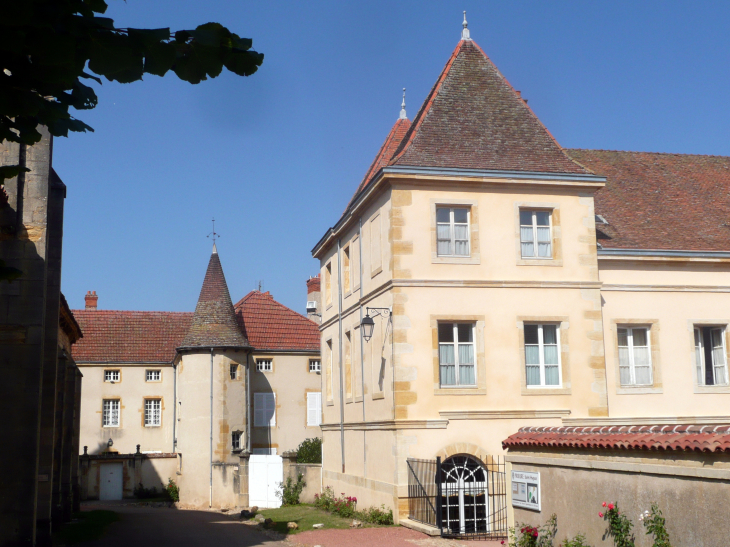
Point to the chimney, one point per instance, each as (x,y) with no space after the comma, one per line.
(314,299)
(91,300)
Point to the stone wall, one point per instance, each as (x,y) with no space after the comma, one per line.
(692,490)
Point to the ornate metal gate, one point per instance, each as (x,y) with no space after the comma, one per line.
(462,496)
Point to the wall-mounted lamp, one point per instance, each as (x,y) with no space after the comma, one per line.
(109,443)
(368,324)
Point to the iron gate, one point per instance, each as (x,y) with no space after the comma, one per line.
(462,496)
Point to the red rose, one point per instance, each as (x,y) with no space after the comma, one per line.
(604,504)
(610,505)
(600,515)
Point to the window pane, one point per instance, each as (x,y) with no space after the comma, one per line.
(551,355)
(532,355)
(543,250)
(549,334)
(446,354)
(641,356)
(531,334)
(640,338)
(533,375)
(552,376)
(461,248)
(466,354)
(443,231)
(526,218)
(443,214)
(625,376)
(623,337)
(542,218)
(643,375)
(526,234)
(466,375)
(465,332)
(698,357)
(460,215)
(623,357)
(443,248)
(448,375)
(528,249)
(446,332)
(461,231)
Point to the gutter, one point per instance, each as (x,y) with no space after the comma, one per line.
(667,253)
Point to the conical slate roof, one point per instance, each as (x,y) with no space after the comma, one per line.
(474,119)
(214,322)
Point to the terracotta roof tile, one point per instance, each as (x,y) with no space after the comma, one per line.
(692,438)
(270,325)
(214,322)
(129,336)
(474,119)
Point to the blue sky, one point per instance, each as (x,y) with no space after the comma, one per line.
(275,157)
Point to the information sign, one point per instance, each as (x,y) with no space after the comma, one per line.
(526,490)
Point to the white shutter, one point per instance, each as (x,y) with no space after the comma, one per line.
(314,409)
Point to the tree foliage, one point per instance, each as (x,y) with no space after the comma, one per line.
(310,451)
(49,48)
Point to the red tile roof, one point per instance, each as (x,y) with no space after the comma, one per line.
(214,322)
(270,325)
(697,438)
(129,336)
(313,284)
(385,154)
(661,201)
(474,119)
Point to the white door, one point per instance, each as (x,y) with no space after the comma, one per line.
(264,475)
(110,481)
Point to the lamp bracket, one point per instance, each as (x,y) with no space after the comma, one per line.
(383,312)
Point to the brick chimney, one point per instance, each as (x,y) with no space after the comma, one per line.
(314,296)
(91,300)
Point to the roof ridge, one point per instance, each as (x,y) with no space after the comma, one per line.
(647,152)
(270,298)
(134,311)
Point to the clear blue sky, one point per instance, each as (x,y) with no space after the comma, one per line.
(275,157)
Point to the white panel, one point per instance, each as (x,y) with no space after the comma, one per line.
(110,481)
(264,475)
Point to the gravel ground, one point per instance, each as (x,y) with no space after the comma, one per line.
(379,537)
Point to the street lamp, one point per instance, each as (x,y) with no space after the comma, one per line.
(367,324)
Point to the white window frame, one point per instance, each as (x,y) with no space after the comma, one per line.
(110,413)
(264,365)
(262,403)
(541,352)
(112,376)
(315,366)
(314,408)
(152,412)
(452,231)
(700,364)
(631,364)
(455,343)
(153,375)
(236,437)
(233,371)
(533,225)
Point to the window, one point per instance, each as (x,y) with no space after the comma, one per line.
(328,284)
(634,356)
(111,376)
(152,412)
(346,269)
(314,409)
(542,355)
(264,409)
(348,365)
(376,258)
(355,265)
(456,354)
(110,413)
(710,357)
(154,375)
(236,440)
(535,236)
(452,231)
(315,366)
(234,371)
(264,365)
(329,370)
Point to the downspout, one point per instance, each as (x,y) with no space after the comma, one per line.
(174,406)
(339,321)
(248,401)
(362,359)
(210,503)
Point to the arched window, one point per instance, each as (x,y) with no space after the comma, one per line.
(464,495)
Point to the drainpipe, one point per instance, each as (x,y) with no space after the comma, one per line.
(362,359)
(339,321)
(174,406)
(210,504)
(248,401)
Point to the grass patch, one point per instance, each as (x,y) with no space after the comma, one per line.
(305,516)
(88,526)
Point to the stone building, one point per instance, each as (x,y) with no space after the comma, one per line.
(192,395)
(38,397)
(483,279)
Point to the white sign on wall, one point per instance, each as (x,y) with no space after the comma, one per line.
(526,490)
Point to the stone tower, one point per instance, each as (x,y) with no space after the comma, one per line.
(211,396)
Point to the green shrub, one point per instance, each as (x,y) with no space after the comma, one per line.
(310,451)
(524,535)
(289,490)
(346,507)
(142,493)
(656,525)
(577,541)
(376,515)
(173,491)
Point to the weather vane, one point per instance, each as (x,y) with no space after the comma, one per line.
(214,235)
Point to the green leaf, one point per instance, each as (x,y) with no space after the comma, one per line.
(10,171)
(60,128)
(244,44)
(90,76)
(149,36)
(244,63)
(99,6)
(116,57)
(182,36)
(159,58)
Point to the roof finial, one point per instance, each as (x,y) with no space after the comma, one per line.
(215,235)
(403,106)
(465,31)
